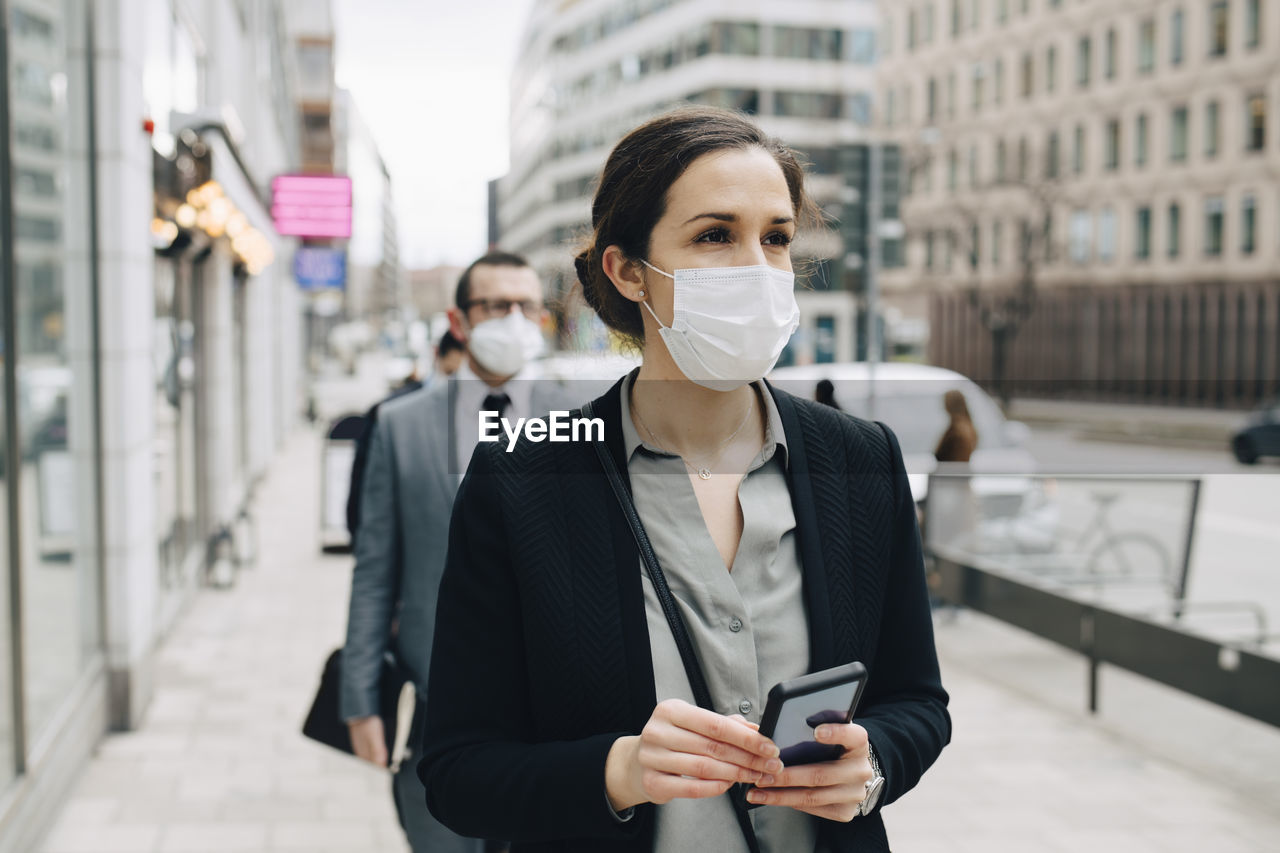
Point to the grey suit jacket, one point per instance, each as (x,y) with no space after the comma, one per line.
(406,502)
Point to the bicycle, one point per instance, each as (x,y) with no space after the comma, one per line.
(1097,555)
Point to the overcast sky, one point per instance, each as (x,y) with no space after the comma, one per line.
(431,78)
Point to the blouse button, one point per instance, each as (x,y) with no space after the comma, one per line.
(744,707)
(735,624)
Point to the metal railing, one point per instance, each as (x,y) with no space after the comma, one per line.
(1152,639)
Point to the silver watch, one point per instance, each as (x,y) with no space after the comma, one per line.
(875,786)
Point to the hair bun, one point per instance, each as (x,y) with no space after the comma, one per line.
(582,264)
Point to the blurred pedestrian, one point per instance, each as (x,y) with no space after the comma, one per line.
(562,713)
(450,353)
(417,452)
(961,438)
(825,394)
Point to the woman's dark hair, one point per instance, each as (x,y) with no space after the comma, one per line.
(632,195)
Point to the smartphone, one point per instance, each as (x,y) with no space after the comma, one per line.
(796,707)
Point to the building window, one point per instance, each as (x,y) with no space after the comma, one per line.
(973,167)
(813,104)
(956,21)
(1001,159)
(953,169)
(931,100)
(997,237)
(1109,63)
(808,43)
(1147,46)
(977,88)
(997,85)
(975,246)
(1213,227)
(1219,28)
(863,47)
(929,239)
(1053,156)
(951,95)
(975,14)
(1080,245)
(1002,11)
(1177,36)
(927,35)
(911,30)
(1140,141)
(1211,130)
(1028,75)
(1248,225)
(1256,116)
(1113,144)
(1077,153)
(1107,235)
(1175,230)
(1084,61)
(1178,135)
(1023,155)
(736,38)
(1253,23)
(1051,69)
(1142,234)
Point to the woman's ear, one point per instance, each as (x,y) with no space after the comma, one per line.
(627,275)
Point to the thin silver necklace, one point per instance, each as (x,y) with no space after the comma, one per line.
(704,471)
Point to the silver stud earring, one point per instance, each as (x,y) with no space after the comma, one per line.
(640,294)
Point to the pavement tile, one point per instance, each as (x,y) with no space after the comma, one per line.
(69,837)
(344,835)
(214,837)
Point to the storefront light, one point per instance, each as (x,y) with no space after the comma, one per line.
(236,225)
(220,210)
(209,191)
(186,216)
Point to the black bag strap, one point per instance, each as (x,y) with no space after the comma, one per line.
(684,643)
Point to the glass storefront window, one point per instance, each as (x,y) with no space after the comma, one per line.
(7,739)
(58,561)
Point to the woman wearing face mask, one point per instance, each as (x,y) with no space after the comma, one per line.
(581,700)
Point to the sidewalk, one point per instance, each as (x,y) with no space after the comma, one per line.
(219,765)
(1179,426)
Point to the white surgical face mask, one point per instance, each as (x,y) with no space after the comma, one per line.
(502,346)
(729,324)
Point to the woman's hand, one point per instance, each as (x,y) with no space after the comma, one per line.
(829,789)
(687,751)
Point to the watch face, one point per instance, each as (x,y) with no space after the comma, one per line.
(874,789)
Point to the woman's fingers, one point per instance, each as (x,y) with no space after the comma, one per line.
(696,766)
(808,799)
(683,740)
(663,787)
(734,732)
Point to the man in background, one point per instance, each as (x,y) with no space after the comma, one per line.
(419,449)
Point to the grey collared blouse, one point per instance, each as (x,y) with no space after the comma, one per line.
(749,625)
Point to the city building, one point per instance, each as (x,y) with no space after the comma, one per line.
(151,364)
(589,71)
(1093,206)
(431,291)
(376,285)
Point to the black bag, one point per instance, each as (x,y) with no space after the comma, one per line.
(397,705)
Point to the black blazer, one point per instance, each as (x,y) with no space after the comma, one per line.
(542,660)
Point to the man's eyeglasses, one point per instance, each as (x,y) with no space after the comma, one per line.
(495,308)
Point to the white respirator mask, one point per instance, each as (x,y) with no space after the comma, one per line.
(729,325)
(503,346)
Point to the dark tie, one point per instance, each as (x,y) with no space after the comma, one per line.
(496,403)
